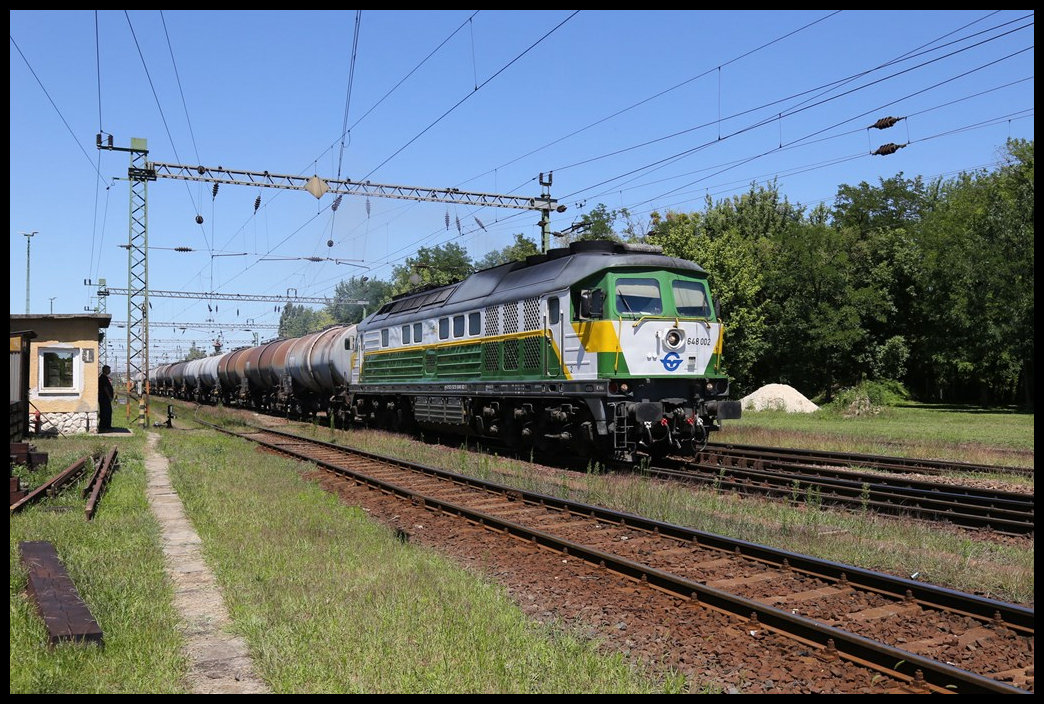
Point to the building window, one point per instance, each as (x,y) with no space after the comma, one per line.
(60,369)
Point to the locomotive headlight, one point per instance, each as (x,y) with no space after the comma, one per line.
(674,339)
(719,387)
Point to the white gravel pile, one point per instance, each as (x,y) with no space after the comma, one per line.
(778,397)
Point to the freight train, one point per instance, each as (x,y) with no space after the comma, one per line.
(600,350)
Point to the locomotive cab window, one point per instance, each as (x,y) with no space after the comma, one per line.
(417,332)
(553,311)
(443,328)
(384,337)
(405,334)
(474,323)
(638,297)
(690,298)
(458,326)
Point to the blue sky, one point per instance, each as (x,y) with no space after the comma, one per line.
(643,110)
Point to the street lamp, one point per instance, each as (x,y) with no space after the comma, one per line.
(51,299)
(28,240)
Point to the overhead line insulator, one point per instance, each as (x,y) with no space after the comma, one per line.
(886,149)
(885,122)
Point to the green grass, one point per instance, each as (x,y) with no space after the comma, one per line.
(969,435)
(116,564)
(329,601)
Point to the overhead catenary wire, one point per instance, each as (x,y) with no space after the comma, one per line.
(381,100)
(502,225)
(907,55)
(466,97)
(576,194)
(163,117)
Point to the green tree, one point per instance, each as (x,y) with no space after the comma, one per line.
(432,266)
(1014,209)
(521,248)
(977,296)
(732,240)
(356,296)
(194,353)
(895,204)
(815,322)
(298,320)
(887,260)
(596,224)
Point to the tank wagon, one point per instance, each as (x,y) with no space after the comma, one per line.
(600,350)
(297,377)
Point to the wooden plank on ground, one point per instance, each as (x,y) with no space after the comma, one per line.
(64,613)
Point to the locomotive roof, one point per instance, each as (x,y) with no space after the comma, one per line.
(553,271)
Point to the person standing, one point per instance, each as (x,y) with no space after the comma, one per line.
(106,394)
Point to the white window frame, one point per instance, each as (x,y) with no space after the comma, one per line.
(77,369)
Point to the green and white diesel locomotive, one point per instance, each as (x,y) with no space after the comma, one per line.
(599,350)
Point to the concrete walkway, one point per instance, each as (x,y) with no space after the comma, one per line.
(219,663)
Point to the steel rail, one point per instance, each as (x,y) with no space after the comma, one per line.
(1007,512)
(833,642)
(883,462)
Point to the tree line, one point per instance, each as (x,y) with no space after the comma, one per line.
(927,284)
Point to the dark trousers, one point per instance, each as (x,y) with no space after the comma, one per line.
(105,415)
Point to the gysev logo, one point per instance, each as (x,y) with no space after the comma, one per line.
(671,361)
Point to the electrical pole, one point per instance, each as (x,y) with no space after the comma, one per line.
(28,240)
(139,174)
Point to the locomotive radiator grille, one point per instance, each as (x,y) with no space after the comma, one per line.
(511,344)
(490,350)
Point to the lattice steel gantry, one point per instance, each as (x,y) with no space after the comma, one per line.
(139,174)
(142,171)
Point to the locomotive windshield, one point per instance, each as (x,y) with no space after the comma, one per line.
(652,297)
(638,297)
(690,298)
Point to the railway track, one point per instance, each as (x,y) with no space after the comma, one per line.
(785,476)
(913,636)
(899,465)
(858,482)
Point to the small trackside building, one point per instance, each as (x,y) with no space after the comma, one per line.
(63,370)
